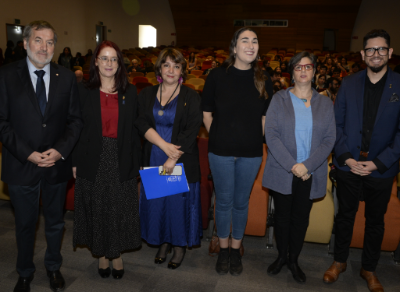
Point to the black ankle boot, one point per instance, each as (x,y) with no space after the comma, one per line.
(222,266)
(297,273)
(235,266)
(276,266)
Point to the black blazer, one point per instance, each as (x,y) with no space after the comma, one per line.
(24,130)
(188,119)
(86,155)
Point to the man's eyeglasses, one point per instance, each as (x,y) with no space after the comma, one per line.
(381,51)
(105,60)
(308,67)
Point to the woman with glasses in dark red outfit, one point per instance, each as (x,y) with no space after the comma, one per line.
(106,163)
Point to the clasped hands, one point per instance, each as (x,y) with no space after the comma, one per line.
(45,159)
(361,168)
(173,153)
(300,171)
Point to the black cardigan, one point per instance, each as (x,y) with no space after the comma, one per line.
(188,119)
(86,155)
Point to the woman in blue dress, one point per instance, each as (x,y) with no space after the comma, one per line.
(170,117)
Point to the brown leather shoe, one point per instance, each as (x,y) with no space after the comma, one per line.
(372,280)
(332,274)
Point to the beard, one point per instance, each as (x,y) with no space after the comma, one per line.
(33,57)
(376,69)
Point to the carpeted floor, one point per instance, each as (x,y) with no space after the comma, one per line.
(197,272)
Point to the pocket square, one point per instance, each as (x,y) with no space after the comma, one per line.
(394,98)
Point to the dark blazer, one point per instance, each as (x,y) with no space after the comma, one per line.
(280,126)
(24,130)
(385,140)
(86,155)
(188,119)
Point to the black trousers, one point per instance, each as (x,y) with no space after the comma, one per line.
(292,213)
(25,200)
(376,193)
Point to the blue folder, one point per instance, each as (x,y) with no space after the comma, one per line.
(158,186)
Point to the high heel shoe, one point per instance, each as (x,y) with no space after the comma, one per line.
(158,259)
(172,265)
(117,274)
(104,273)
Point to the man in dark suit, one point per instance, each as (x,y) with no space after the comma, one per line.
(367,152)
(39,126)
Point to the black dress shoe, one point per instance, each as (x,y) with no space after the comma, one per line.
(222,266)
(276,266)
(57,282)
(117,274)
(23,284)
(235,262)
(180,253)
(297,273)
(161,255)
(105,273)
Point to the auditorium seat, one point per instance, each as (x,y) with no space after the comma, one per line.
(139,79)
(206,65)
(137,74)
(274,64)
(197,73)
(141,85)
(322,216)
(189,85)
(150,75)
(203,77)
(196,82)
(258,203)
(190,76)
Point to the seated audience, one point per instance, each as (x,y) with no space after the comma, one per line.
(79,76)
(336,73)
(333,87)
(89,53)
(65,58)
(213,65)
(9,53)
(343,65)
(354,68)
(267,67)
(323,71)
(320,83)
(134,67)
(284,67)
(276,86)
(148,67)
(127,62)
(192,61)
(19,51)
(78,60)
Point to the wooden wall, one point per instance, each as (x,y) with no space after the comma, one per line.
(210,22)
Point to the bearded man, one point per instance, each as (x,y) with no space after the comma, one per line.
(39,125)
(367,152)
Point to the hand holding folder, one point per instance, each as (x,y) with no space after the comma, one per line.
(158,186)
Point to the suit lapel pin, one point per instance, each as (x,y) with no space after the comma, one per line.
(123,99)
(57,74)
(390,85)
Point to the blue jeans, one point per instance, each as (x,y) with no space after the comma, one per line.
(233,180)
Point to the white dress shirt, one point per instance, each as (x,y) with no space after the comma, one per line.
(34,77)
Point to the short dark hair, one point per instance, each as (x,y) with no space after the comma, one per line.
(297,58)
(323,67)
(121,76)
(321,75)
(337,70)
(377,33)
(175,57)
(38,25)
(330,80)
(355,65)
